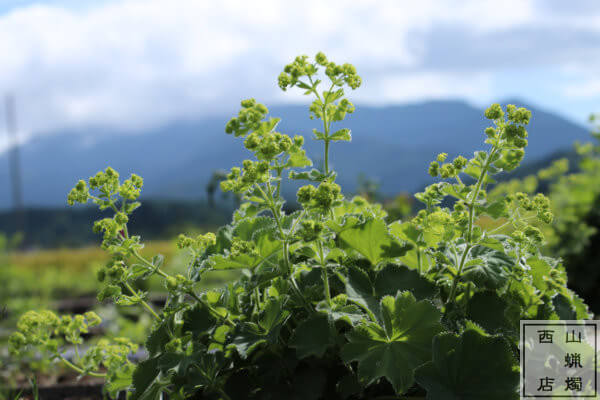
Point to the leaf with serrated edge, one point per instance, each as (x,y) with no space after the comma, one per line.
(313,336)
(395,348)
(470,367)
(373,240)
(393,278)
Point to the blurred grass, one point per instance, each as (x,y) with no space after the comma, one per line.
(38,279)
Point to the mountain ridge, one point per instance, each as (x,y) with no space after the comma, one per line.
(392,144)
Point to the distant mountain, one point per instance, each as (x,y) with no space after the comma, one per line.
(393,145)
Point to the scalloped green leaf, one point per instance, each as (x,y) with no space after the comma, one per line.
(395,348)
(470,367)
(198,320)
(313,336)
(373,240)
(564,307)
(487,268)
(359,289)
(488,310)
(145,381)
(393,278)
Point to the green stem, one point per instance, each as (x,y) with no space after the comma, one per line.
(471,206)
(210,308)
(78,369)
(257,298)
(143,260)
(286,260)
(278,190)
(326,157)
(293,228)
(458,275)
(142,302)
(324,274)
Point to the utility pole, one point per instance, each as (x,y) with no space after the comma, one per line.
(14,163)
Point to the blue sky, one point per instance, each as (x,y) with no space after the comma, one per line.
(137,64)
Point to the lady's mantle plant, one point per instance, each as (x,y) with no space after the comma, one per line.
(333,301)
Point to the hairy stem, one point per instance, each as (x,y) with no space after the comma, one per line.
(471,206)
(142,302)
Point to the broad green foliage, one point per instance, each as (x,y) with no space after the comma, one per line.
(460,368)
(333,301)
(398,344)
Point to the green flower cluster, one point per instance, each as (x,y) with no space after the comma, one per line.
(530,238)
(110,193)
(249,118)
(241,180)
(322,197)
(42,328)
(79,194)
(540,204)
(509,133)
(269,145)
(447,170)
(301,67)
(47,332)
(336,112)
(112,355)
(243,247)
(111,274)
(199,243)
(310,230)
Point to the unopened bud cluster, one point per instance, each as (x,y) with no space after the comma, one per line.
(322,197)
(241,180)
(301,67)
(447,170)
(249,118)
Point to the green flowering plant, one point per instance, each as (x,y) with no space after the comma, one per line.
(50,333)
(334,302)
(574,195)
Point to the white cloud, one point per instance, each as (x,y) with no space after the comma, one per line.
(134,64)
(583,89)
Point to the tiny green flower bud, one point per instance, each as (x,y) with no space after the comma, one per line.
(459,162)
(284,81)
(447,171)
(248,103)
(434,169)
(534,234)
(546,217)
(490,132)
(305,194)
(519,142)
(321,59)
(121,218)
(171,283)
(494,112)
(442,157)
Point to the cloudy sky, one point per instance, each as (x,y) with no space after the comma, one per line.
(136,64)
